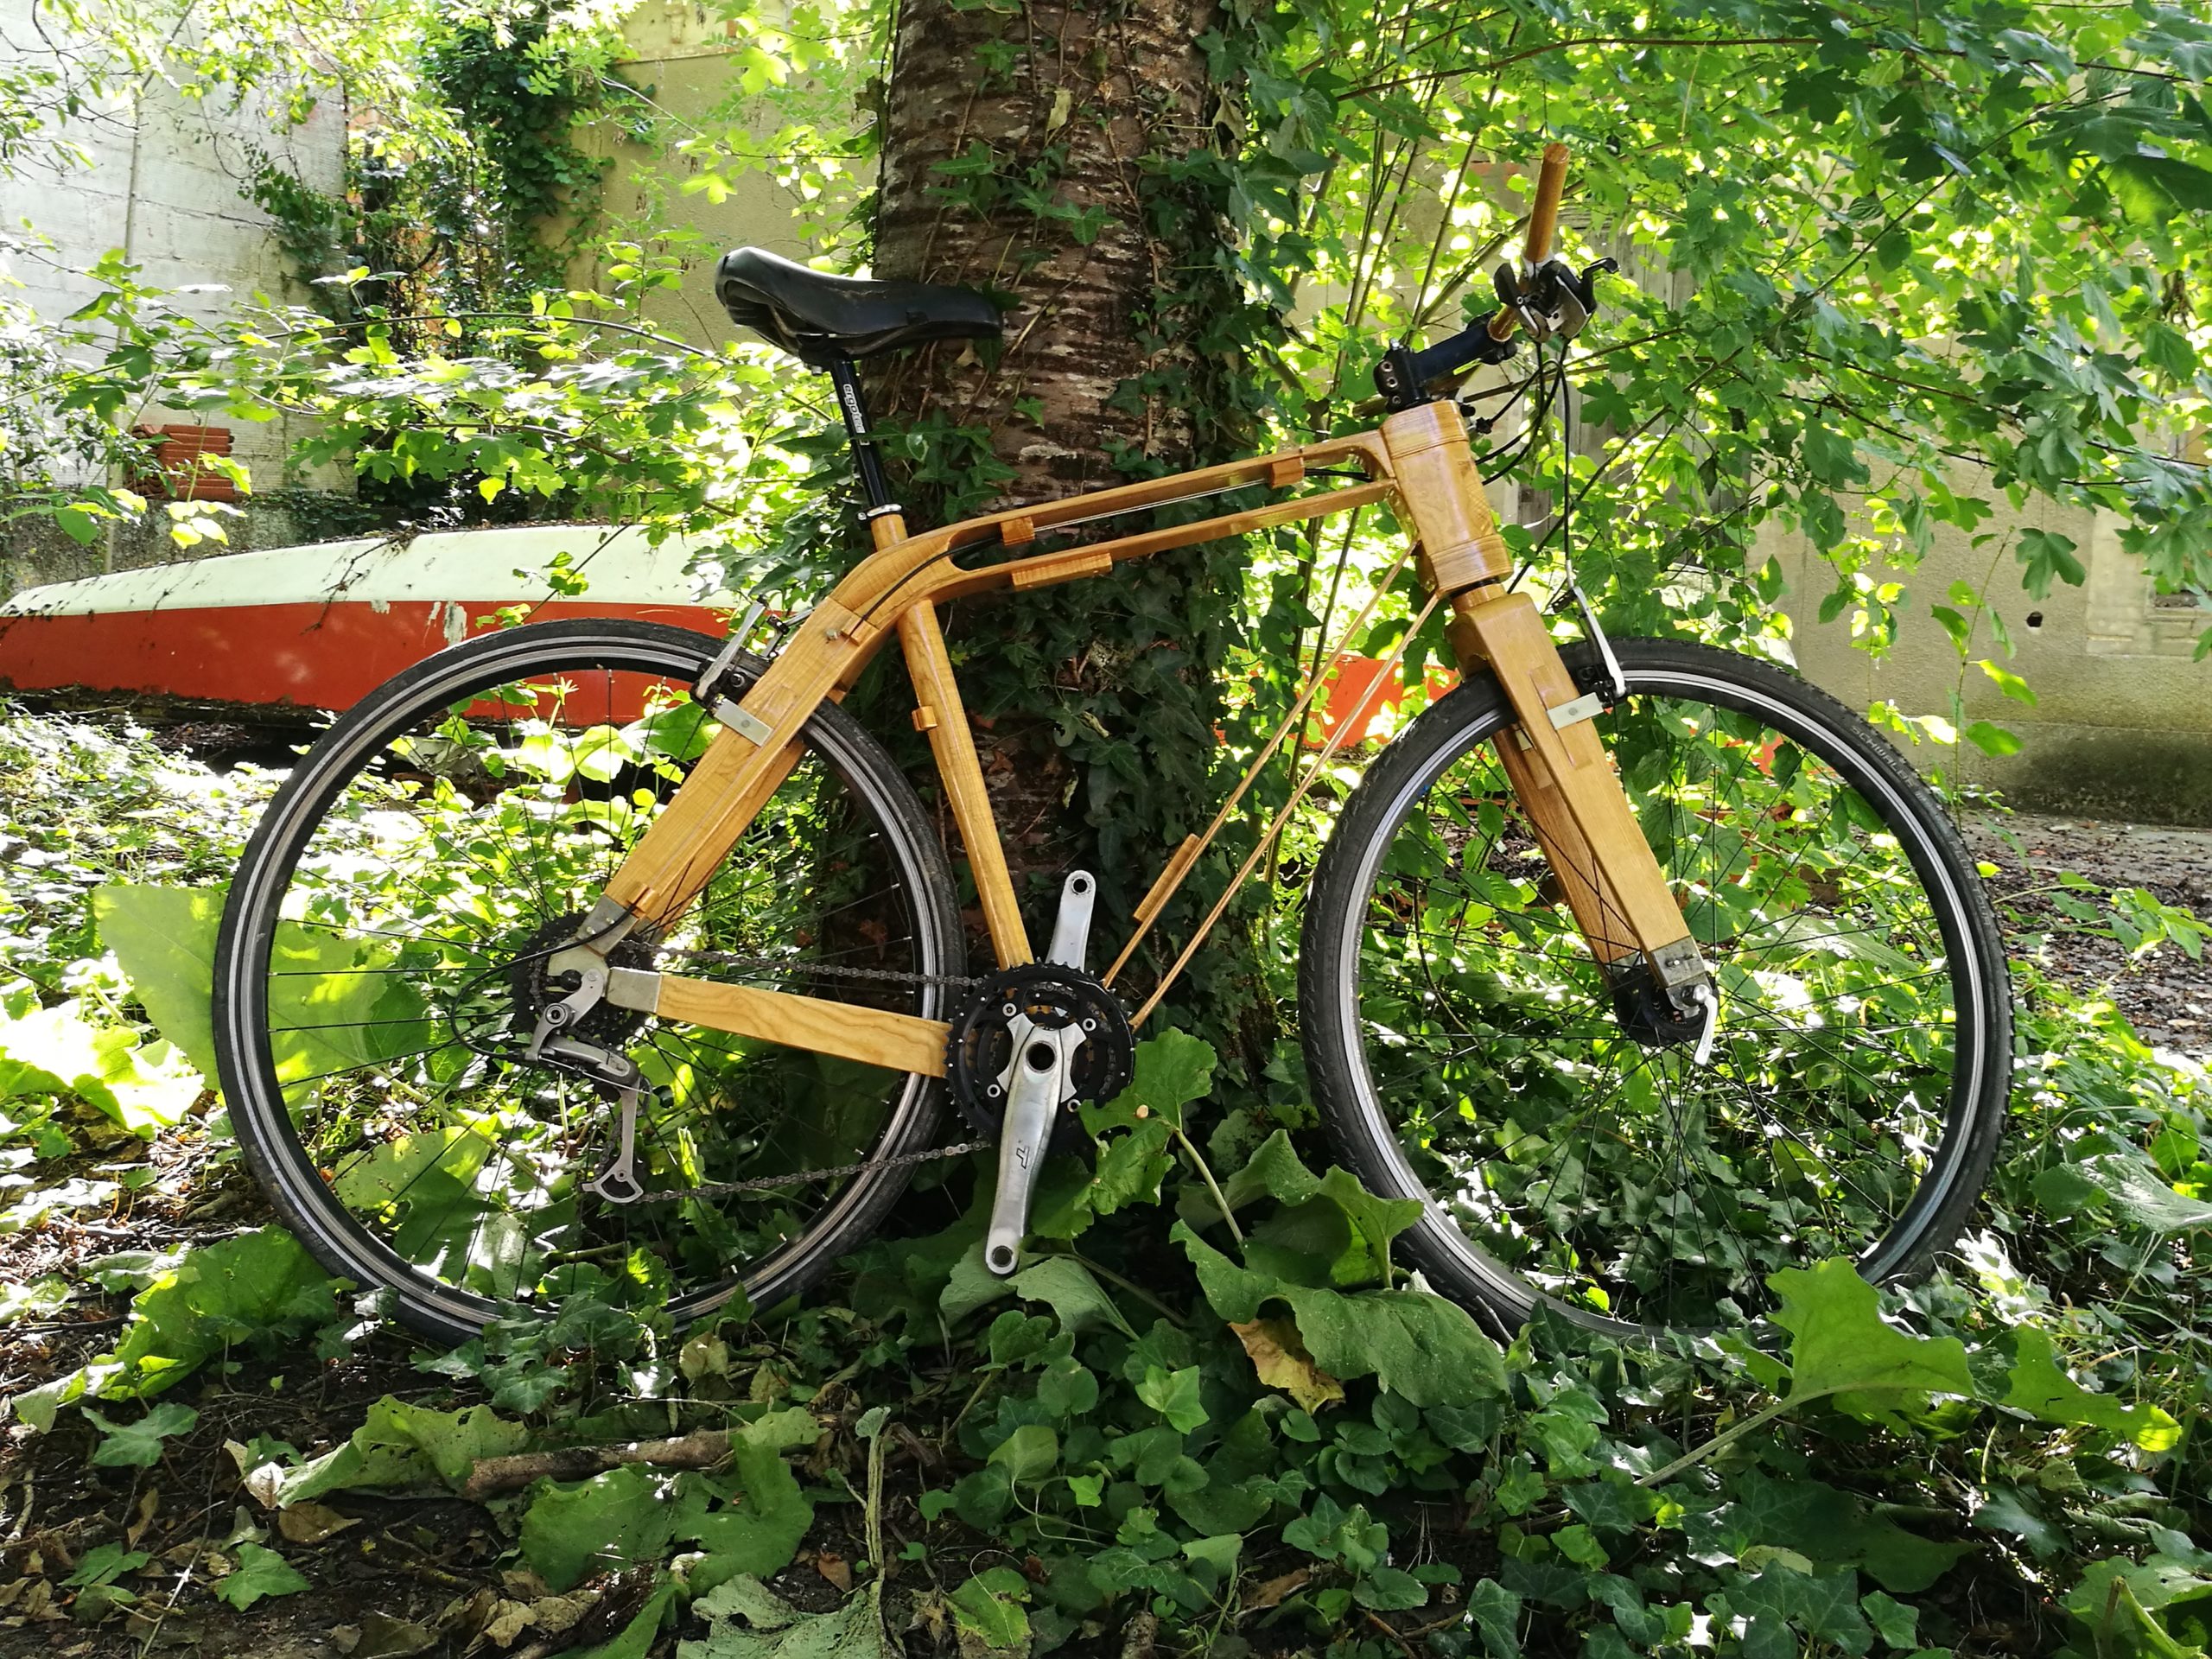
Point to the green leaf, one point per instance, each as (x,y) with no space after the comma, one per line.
(1174,1395)
(635,1639)
(104,1564)
(2040,1386)
(2045,554)
(398,1445)
(1840,1345)
(989,1607)
(1388,1589)
(2007,681)
(164,940)
(138,1446)
(1073,1293)
(761,1533)
(746,1620)
(1171,1071)
(1896,1622)
(1991,738)
(1420,1346)
(620,1518)
(261,1573)
(1028,1455)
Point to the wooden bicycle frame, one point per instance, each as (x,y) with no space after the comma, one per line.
(1418,460)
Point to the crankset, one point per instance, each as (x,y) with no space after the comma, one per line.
(1026,1049)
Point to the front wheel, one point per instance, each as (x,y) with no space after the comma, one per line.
(1464,1047)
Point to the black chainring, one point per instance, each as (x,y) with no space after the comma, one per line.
(982,1044)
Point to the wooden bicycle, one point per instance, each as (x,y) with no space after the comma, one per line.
(1646,967)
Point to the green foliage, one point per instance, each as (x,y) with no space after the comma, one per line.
(256,1286)
(261,1573)
(138,1445)
(399,1445)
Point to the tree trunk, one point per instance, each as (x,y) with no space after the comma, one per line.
(1064,157)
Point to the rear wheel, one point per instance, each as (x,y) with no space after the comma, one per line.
(1466,1048)
(381,966)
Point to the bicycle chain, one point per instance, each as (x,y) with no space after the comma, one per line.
(766,1183)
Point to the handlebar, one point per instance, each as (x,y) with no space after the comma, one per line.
(1543,224)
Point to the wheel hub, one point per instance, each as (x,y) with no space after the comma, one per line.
(535,989)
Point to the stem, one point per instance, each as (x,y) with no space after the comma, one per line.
(1212,1187)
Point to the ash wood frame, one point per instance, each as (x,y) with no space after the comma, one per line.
(1418,460)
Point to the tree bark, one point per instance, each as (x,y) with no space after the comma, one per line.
(1034,180)
(1064,156)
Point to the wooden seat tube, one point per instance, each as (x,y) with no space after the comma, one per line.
(938,711)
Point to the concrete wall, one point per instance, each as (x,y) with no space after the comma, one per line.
(159,179)
(2122,724)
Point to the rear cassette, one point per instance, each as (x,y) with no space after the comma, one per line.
(980,1051)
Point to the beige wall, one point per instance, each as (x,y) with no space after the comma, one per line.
(2122,723)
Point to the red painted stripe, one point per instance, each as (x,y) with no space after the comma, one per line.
(322,656)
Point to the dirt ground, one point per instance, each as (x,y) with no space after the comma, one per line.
(2167,997)
(405,1576)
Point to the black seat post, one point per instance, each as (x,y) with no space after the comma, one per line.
(873,487)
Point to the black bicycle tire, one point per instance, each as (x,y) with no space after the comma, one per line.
(298,1195)
(1468,714)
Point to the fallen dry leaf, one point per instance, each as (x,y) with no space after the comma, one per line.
(384,1636)
(310,1523)
(1272,1592)
(834,1568)
(148,1507)
(1278,1356)
(509,1620)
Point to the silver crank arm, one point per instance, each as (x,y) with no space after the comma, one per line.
(1039,1083)
(1071,928)
(1036,1081)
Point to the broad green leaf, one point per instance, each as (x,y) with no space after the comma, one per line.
(617,1519)
(990,1607)
(759,1532)
(1420,1346)
(1838,1343)
(138,1445)
(1073,1293)
(1170,1072)
(2040,1385)
(746,1620)
(164,939)
(398,1445)
(261,1573)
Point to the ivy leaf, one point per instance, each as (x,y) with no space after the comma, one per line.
(1495,1613)
(138,1446)
(1174,1395)
(1840,1345)
(1389,1590)
(261,1573)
